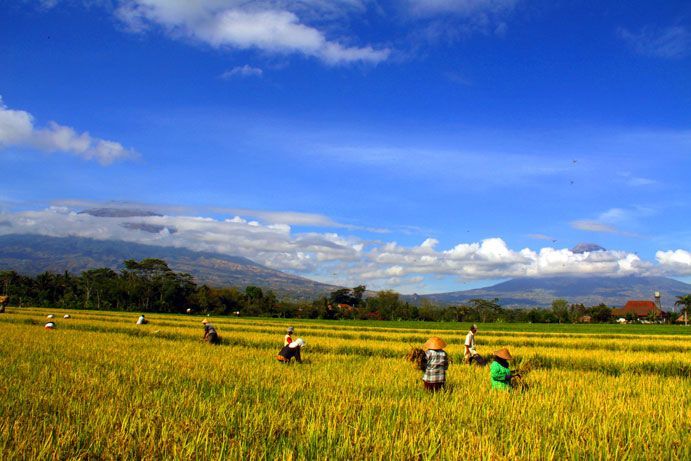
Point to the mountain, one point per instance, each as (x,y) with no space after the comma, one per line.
(590,291)
(119,212)
(33,254)
(586,248)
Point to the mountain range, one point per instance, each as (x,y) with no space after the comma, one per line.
(33,254)
(589,291)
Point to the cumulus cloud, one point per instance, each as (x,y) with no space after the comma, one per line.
(677,262)
(667,42)
(269,26)
(492,258)
(17,129)
(347,259)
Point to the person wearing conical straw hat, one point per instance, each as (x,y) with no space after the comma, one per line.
(210,334)
(499,372)
(437,364)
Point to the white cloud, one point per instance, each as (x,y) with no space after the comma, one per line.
(242,71)
(611,220)
(491,258)
(17,129)
(594,226)
(541,237)
(677,262)
(346,259)
(269,26)
(495,167)
(668,43)
(451,20)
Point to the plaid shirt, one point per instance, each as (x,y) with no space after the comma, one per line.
(437,363)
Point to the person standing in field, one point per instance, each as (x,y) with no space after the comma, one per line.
(288,338)
(499,372)
(437,362)
(210,334)
(470,353)
(291,350)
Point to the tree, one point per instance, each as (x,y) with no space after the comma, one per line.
(358,293)
(7,278)
(560,309)
(155,286)
(485,309)
(99,284)
(600,313)
(576,311)
(387,303)
(685,303)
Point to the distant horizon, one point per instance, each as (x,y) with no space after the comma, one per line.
(491,284)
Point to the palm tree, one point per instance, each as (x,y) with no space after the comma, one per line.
(684,301)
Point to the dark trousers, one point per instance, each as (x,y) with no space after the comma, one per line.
(287,353)
(433,387)
(212,338)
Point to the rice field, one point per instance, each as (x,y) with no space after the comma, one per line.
(101,387)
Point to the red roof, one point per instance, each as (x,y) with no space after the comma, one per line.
(638,308)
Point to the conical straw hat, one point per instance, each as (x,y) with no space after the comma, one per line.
(503,354)
(434,343)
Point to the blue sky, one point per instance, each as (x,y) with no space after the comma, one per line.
(418,145)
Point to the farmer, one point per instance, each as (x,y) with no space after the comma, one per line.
(210,334)
(49,326)
(499,372)
(4,301)
(288,338)
(291,350)
(437,363)
(470,353)
(141,320)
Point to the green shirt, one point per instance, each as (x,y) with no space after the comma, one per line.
(500,376)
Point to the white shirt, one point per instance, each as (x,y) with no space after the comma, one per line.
(470,342)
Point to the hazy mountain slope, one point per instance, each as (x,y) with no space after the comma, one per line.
(540,292)
(33,254)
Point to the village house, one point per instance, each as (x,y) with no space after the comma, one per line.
(638,309)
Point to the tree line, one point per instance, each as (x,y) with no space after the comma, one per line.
(150,285)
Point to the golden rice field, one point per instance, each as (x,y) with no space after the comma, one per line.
(101,387)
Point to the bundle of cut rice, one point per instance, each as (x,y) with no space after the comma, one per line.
(417,357)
